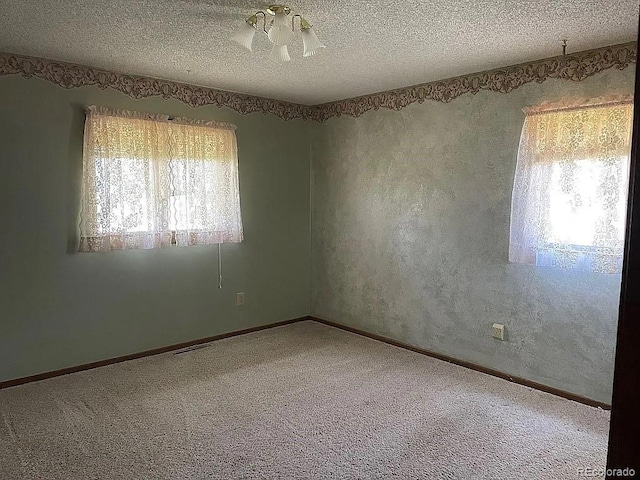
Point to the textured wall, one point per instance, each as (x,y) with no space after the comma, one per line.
(59,309)
(410,234)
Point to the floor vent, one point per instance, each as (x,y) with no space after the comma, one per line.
(191,349)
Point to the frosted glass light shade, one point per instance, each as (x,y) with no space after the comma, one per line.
(310,41)
(281,32)
(280,53)
(245,35)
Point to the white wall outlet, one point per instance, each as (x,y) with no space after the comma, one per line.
(497,331)
(239,299)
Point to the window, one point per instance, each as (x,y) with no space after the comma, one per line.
(151,182)
(569,199)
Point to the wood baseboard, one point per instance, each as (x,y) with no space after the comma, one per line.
(178,346)
(472,366)
(146,353)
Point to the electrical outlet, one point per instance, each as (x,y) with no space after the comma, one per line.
(497,331)
(239,299)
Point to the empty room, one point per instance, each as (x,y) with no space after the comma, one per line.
(348,240)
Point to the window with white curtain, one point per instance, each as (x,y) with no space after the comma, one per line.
(150,181)
(569,199)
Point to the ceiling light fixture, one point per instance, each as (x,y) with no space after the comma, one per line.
(275,23)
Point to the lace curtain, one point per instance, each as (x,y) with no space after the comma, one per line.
(570,191)
(151,182)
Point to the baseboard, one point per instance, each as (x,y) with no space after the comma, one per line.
(472,366)
(146,353)
(380,338)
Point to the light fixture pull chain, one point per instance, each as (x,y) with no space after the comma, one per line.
(219,266)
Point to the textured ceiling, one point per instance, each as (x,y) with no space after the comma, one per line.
(371,45)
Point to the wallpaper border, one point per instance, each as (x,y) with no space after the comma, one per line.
(69,75)
(575,67)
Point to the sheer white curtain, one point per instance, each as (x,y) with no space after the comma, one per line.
(569,199)
(151,182)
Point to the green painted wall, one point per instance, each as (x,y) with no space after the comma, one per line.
(59,308)
(411,233)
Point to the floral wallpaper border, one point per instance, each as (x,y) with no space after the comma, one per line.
(574,67)
(68,75)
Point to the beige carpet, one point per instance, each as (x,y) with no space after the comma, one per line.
(300,401)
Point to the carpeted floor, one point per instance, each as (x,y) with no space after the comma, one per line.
(300,401)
